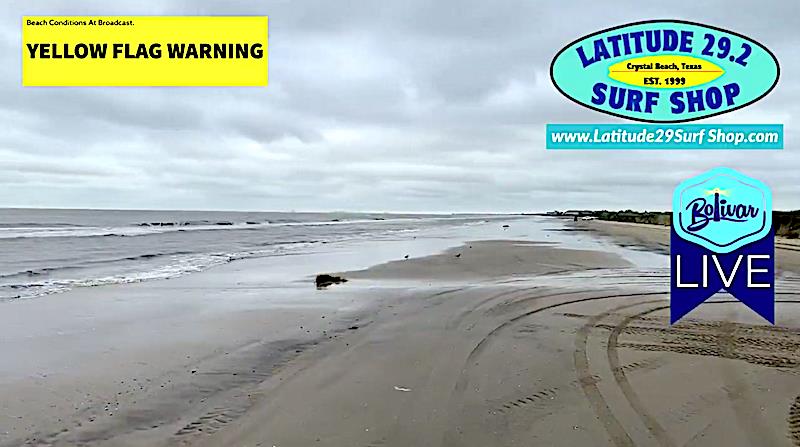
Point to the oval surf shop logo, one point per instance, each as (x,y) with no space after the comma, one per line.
(722,210)
(664,71)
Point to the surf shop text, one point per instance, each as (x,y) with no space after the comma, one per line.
(666,42)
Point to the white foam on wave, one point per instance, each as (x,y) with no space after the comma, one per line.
(171,266)
(157,228)
(180,265)
(175,266)
(138,230)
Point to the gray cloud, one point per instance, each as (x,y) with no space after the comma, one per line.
(398,106)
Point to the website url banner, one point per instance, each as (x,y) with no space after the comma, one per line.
(662,136)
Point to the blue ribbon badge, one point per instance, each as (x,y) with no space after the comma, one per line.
(722,239)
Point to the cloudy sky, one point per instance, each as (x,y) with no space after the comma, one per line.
(387,105)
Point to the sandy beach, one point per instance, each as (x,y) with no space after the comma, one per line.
(536,334)
(656,238)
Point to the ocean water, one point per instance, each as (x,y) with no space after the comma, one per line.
(43,252)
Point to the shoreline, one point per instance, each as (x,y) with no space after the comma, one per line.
(489,336)
(122,247)
(79,361)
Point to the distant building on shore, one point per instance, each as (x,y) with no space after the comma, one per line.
(579,213)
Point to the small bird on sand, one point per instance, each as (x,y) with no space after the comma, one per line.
(458,255)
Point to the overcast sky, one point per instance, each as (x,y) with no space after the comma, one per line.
(390,105)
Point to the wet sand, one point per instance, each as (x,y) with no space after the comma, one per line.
(505,343)
(137,368)
(586,358)
(492,260)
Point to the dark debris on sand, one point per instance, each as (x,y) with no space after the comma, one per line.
(325,280)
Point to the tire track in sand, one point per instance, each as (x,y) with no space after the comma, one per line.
(739,395)
(463,380)
(461,383)
(621,378)
(794,421)
(756,432)
(619,436)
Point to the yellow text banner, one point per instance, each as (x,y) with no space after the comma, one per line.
(144,51)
